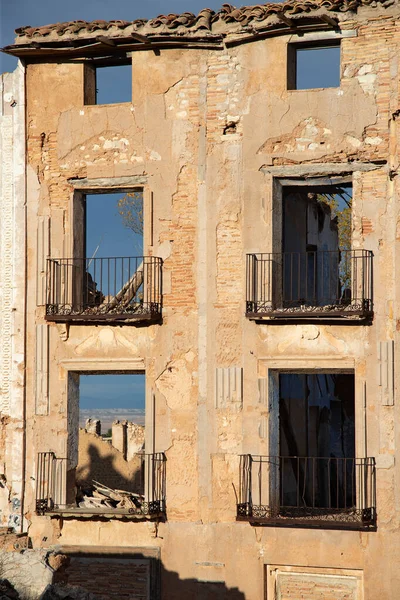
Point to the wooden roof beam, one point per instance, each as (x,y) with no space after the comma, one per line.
(140,38)
(330,20)
(282,17)
(105,40)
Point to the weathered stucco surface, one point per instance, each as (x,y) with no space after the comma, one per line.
(12,297)
(208,135)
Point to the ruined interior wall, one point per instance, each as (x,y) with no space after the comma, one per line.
(100,461)
(12,295)
(206,365)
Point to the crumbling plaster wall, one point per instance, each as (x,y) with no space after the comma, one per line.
(64,140)
(12,295)
(100,461)
(212,189)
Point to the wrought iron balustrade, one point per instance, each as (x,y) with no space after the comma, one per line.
(96,289)
(53,488)
(315,284)
(307,491)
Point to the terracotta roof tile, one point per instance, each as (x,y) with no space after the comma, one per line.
(206,20)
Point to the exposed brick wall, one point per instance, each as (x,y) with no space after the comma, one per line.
(114,577)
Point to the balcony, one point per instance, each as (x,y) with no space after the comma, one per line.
(104,289)
(311,285)
(55,491)
(307,492)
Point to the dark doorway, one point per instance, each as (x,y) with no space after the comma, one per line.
(317,440)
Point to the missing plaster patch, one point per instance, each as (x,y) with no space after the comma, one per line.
(229,128)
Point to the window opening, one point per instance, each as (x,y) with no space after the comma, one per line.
(114,224)
(104,469)
(108,84)
(311,476)
(114,266)
(313,66)
(313,272)
(107,277)
(317,440)
(111,437)
(316,246)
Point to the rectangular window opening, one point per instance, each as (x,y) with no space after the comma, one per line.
(313,66)
(107,276)
(108,269)
(313,271)
(317,441)
(316,245)
(106,441)
(107,84)
(312,476)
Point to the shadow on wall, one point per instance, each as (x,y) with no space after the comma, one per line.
(101,462)
(174,588)
(123,576)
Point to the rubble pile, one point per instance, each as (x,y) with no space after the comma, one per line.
(101,496)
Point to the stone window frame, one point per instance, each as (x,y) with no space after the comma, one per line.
(108,185)
(270,369)
(276,177)
(71,367)
(280,181)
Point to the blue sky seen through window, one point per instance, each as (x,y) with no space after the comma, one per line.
(106,234)
(112,391)
(114,84)
(108,397)
(317,67)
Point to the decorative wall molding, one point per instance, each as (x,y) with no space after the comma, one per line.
(229,387)
(42,370)
(386,372)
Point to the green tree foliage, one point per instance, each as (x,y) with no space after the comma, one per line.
(130,207)
(340,203)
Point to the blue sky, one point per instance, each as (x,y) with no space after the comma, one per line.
(105,231)
(116,391)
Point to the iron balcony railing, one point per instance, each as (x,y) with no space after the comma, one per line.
(313,284)
(54,496)
(80,289)
(308,491)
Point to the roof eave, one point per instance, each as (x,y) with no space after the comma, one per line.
(111,45)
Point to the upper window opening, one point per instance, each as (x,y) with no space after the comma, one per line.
(114,224)
(108,84)
(311,66)
(107,277)
(313,271)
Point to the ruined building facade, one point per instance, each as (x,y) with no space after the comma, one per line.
(264,311)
